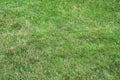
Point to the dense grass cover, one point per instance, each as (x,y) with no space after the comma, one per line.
(59,40)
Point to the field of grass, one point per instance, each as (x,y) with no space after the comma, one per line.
(59,39)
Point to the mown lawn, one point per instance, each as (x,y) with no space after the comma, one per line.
(59,39)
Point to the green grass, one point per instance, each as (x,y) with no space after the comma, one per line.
(59,40)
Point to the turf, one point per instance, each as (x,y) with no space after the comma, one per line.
(59,40)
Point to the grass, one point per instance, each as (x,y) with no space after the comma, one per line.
(59,39)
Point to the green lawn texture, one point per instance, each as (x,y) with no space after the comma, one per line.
(59,40)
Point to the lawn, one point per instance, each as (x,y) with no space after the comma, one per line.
(59,40)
